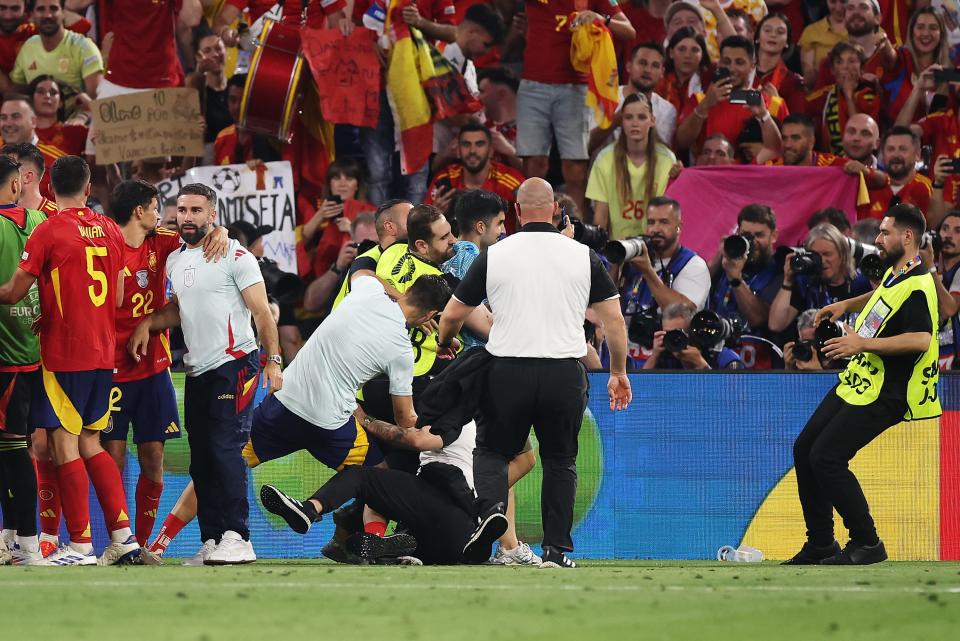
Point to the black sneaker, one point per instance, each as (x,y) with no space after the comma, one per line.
(347,521)
(299,516)
(371,547)
(856,554)
(493,523)
(811,554)
(336,551)
(554,558)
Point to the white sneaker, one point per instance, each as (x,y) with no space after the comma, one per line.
(120,553)
(231,549)
(25,557)
(149,557)
(10,538)
(48,544)
(205,550)
(5,554)
(68,556)
(521,555)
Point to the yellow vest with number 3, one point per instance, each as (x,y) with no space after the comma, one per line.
(862,380)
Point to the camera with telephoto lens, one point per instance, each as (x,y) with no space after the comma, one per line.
(708,330)
(806,263)
(620,251)
(284,287)
(859,250)
(872,267)
(826,330)
(676,340)
(932,238)
(644,324)
(803,351)
(586,234)
(737,246)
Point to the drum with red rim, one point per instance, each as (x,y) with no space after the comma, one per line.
(272,91)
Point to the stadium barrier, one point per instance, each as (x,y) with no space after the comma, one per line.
(699,460)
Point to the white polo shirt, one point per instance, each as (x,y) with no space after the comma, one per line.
(365,336)
(213,315)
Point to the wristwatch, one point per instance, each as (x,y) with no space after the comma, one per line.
(735,282)
(275,358)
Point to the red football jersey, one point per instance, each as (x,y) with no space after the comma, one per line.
(917,192)
(941,130)
(547,57)
(76,256)
(144,292)
(144,51)
(70,139)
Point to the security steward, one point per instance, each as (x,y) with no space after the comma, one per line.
(539,284)
(892,377)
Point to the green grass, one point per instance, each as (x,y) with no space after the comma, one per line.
(281,601)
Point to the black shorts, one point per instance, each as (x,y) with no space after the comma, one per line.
(17,389)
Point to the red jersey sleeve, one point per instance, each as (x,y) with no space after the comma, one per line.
(606,7)
(931,125)
(443,11)
(37,249)
(81,26)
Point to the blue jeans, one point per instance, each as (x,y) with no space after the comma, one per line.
(379,147)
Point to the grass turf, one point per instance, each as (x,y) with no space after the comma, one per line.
(280,601)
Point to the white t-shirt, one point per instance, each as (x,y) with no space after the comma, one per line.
(458,453)
(693,281)
(365,336)
(663,111)
(214,317)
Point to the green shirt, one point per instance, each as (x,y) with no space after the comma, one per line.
(18,344)
(75,58)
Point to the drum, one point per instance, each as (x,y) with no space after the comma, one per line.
(272,91)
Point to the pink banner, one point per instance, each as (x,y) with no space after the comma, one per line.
(711,197)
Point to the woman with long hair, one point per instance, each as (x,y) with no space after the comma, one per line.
(772,40)
(46,98)
(912,92)
(344,197)
(687,68)
(630,171)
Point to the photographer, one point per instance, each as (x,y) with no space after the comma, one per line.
(946,276)
(674,349)
(664,273)
(794,357)
(746,278)
(826,275)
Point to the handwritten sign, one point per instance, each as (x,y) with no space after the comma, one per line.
(262,197)
(347,74)
(148,124)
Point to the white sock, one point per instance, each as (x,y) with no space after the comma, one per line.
(121,535)
(28,543)
(82,548)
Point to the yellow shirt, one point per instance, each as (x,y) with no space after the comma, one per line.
(75,58)
(630,218)
(756,9)
(821,38)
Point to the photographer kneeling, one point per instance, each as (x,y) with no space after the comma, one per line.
(684,343)
(821,274)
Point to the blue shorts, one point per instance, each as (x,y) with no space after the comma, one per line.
(547,111)
(74,400)
(149,404)
(277,432)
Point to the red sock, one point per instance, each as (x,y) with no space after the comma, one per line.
(105,476)
(75,493)
(148,500)
(48,492)
(375,527)
(170,529)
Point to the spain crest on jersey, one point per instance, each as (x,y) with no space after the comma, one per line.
(152,261)
(188,276)
(143,278)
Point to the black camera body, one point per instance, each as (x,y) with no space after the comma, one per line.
(932,239)
(803,351)
(709,330)
(643,325)
(592,236)
(872,267)
(676,340)
(806,263)
(282,286)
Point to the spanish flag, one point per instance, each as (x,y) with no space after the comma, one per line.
(421,85)
(592,53)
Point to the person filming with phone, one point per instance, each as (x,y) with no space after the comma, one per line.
(730,103)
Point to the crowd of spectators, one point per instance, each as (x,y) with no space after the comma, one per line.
(865,85)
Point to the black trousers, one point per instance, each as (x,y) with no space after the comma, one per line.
(550,395)
(822,452)
(440,525)
(217,411)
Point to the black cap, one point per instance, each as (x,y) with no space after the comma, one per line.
(247,233)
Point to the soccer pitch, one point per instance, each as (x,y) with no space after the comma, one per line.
(272,600)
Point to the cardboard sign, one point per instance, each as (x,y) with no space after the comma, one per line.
(148,124)
(263,197)
(347,74)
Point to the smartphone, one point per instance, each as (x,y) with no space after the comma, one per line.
(946,75)
(955,165)
(335,199)
(747,97)
(722,74)
(444,185)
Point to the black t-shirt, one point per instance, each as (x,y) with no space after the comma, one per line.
(912,316)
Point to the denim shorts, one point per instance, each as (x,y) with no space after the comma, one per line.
(562,108)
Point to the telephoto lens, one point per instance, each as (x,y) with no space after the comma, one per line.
(826,330)
(803,351)
(736,246)
(621,251)
(806,263)
(872,267)
(676,340)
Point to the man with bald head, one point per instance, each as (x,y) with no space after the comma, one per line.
(539,284)
(861,139)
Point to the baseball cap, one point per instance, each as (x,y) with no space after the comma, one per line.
(246,232)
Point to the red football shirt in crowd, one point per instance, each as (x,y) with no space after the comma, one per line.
(917,192)
(144,51)
(502,180)
(547,56)
(70,139)
(730,119)
(76,256)
(941,130)
(144,291)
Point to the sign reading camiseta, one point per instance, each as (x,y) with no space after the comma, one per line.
(261,197)
(147,124)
